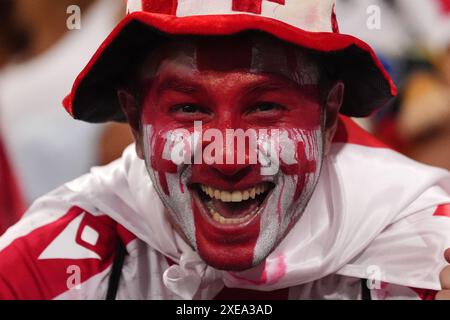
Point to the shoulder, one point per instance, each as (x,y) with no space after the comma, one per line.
(55,249)
(358,155)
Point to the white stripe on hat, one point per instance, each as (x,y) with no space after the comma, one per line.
(134,5)
(309,15)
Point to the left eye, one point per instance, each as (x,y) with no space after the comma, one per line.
(266,107)
(187,108)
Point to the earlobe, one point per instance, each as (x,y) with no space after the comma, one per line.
(131,110)
(333,105)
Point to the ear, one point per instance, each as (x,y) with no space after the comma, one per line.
(333,105)
(130,108)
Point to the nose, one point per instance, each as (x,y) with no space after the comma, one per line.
(230,160)
(233,171)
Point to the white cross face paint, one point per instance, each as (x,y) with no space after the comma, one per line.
(294,186)
(170,181)
(236,228)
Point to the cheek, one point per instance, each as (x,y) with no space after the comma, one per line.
(308,146)
(308,117)
(170,184)
(157,155)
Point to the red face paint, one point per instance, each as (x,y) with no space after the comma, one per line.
(233,212)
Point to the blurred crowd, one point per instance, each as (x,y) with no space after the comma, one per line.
(413,40)
(41,147)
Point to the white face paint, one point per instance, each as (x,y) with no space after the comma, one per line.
(234,214)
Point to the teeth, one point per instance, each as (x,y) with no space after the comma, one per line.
(222,220)
(225,196)
(234,196)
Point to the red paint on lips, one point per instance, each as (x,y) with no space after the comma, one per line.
(228,247)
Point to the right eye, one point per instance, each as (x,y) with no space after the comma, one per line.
(189,112)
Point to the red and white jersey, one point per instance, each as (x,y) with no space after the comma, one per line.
(374,215)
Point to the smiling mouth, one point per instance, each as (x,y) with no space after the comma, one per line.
(235,207)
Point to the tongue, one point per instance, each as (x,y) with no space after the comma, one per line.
(234,209)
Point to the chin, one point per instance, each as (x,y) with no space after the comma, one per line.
(238,233)
(235,224)
(228,224)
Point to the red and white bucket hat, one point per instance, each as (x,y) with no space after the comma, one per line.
(310,24)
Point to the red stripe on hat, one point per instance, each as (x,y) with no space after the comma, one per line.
(253,6)
(443,211)
(160,6)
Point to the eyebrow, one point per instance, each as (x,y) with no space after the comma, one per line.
(264,86)
(178,86)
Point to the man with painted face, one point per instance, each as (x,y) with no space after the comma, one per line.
(232,212)
(246,179)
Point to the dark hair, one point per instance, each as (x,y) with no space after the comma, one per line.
(328,71)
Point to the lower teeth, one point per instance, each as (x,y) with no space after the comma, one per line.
(222,220)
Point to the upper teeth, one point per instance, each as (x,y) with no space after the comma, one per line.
(234,196)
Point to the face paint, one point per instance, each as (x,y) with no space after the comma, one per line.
(234,214)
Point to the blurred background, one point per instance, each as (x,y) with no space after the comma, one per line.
(40,56)
(41,147)
(413,41)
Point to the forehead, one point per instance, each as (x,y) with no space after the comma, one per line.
(252,53)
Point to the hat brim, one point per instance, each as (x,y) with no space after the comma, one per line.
(94,94)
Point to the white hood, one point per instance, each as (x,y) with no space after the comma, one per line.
(372,208)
